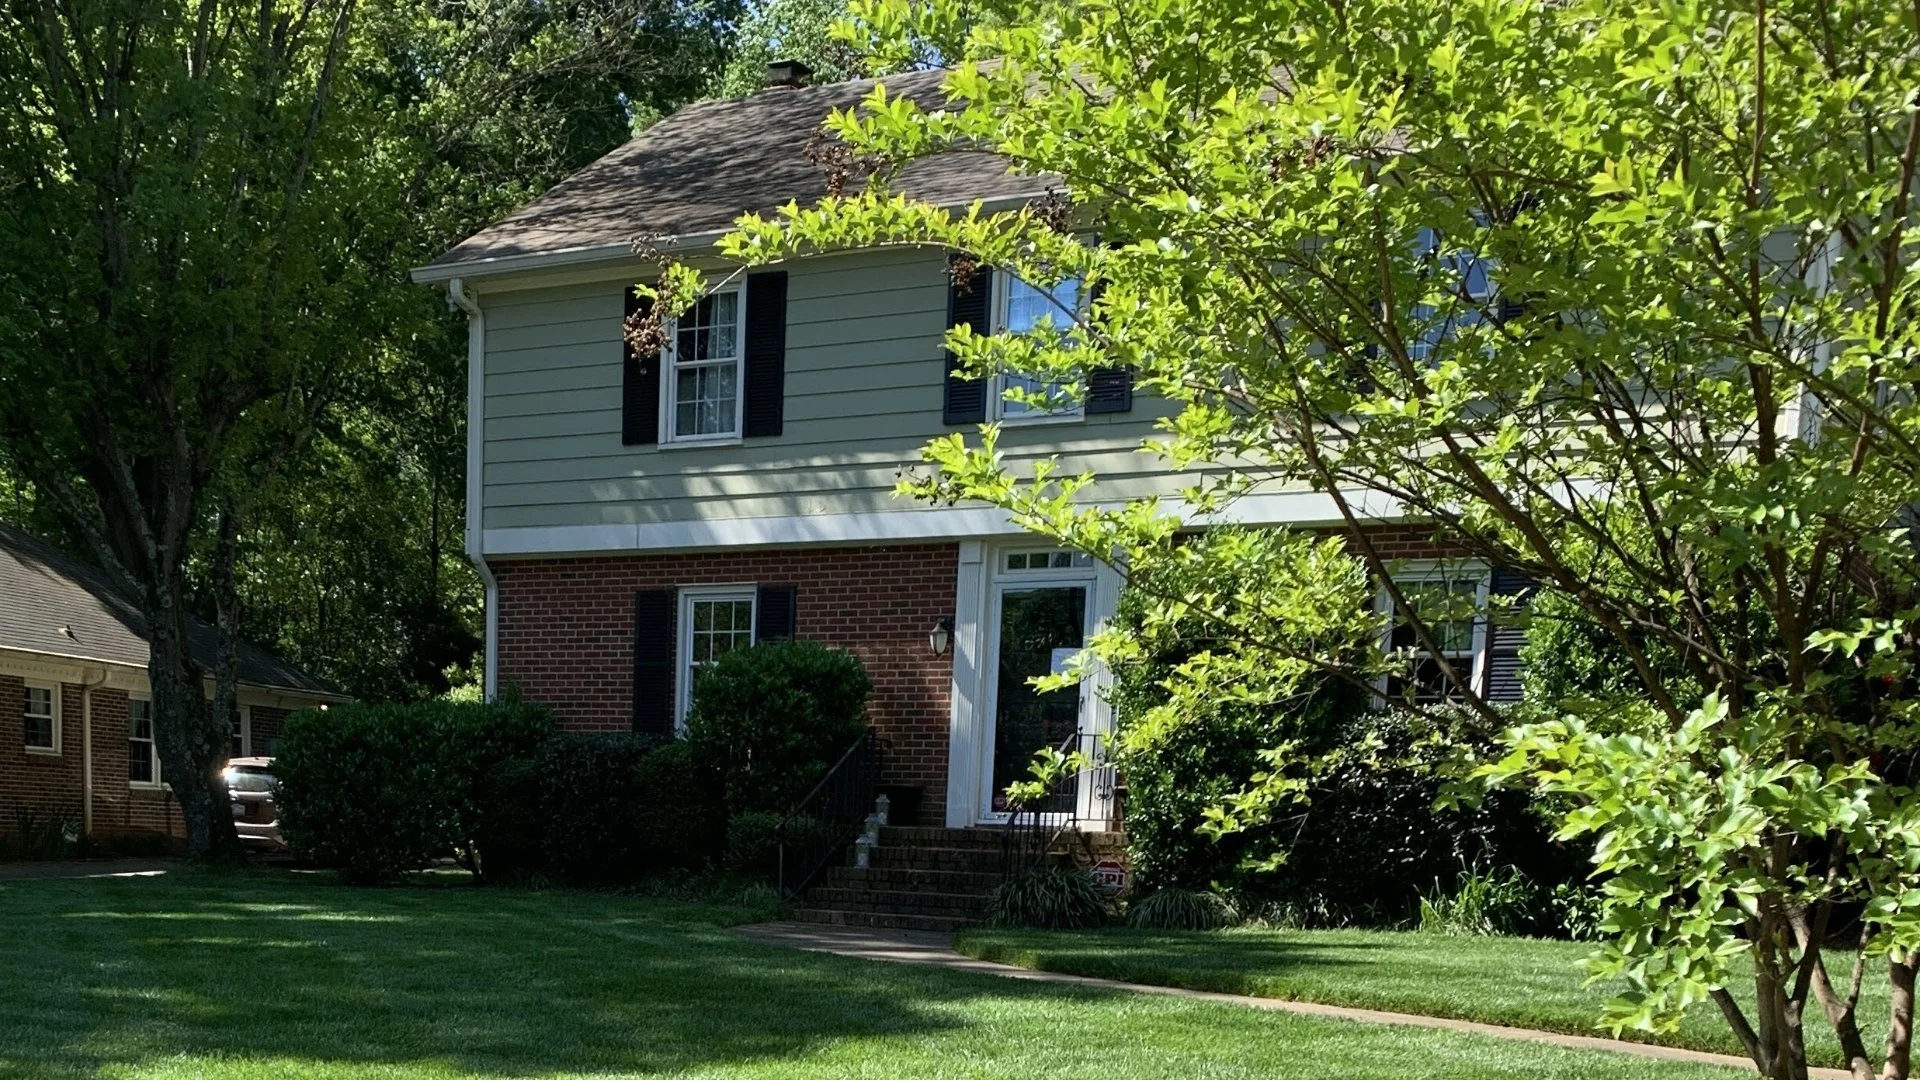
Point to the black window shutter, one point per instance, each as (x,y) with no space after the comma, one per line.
(1109,390)
(654,630)
(969,301)
(774,613)
(639,385)
(1505,636)
(766,346)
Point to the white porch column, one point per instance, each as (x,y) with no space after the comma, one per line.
(966,723)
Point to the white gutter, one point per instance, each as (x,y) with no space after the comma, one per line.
(476,419)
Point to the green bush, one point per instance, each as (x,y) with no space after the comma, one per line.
(377,790)
(753,841)
(619,807)
(1181,909)
(1367,840)
(1482,904)
(768,721)
(1052,898)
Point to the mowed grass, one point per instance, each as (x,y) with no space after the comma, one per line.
(1519,982)
(251,976)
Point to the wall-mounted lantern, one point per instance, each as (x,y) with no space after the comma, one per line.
(940,638)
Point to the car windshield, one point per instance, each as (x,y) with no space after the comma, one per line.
(249,780)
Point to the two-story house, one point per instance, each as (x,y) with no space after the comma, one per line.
(635,519)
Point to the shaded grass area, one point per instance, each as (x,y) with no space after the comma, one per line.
(250,976)
(1520,982)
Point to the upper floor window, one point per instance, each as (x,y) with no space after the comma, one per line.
(1023,309)
(41,717)
(1451,601)
(713,622)
(1469,290)
(702,399)
(143,750)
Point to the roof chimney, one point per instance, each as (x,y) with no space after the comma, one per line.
(788,73)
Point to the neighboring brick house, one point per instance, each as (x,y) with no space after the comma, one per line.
(77,742)
(633,517)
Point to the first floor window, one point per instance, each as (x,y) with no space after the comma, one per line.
(1025,308)
(239,731)
(703,369)
(713,623)
(42,718)
(1450,602)
(143,750)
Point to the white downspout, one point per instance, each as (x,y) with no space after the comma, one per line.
(476,418)
(86,753)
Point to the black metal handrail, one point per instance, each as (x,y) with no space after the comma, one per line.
(821,826)
(1035,828)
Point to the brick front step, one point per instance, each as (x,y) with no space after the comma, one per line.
(958,860)
(940,924)
(911,879)
(962,905)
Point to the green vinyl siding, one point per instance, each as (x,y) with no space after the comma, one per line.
(864,381)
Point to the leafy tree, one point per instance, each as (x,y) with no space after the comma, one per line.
(790,30)
(210,209)
(1620,299)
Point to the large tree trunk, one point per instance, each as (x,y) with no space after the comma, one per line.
(1900,1022)
(192,753)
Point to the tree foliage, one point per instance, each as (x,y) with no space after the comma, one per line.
(1620,299)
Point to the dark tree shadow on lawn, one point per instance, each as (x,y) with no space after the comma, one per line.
(490,982)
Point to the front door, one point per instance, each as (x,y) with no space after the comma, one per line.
(1038,627)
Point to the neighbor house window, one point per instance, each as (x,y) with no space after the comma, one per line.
(42,718)
(143,750)
(713,623)
(702,398)
(1023,309)
(1451,601)
(242,731)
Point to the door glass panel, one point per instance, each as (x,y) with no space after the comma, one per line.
(1034,624)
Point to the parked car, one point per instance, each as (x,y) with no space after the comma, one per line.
(250,787)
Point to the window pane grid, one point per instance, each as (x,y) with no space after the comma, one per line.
(1028,308)
(706,368)
(143,765)
(1450,610)
(715,627)
(38,717)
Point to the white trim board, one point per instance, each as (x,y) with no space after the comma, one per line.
(1304,508)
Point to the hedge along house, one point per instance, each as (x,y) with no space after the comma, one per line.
(633,518)
(77,752)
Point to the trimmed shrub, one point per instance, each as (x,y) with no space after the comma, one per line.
(753,841)
(1181,909)
(619,807)
(768,721)
(1052,898)
(377,790)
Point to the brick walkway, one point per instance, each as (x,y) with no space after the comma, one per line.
(84,868)
(907,947)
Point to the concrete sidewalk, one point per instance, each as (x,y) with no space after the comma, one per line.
(908,947)
(85,868)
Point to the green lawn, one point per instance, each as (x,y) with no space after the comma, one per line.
(1516,981)
(252,976)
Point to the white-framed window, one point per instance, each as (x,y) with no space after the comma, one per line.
(1020,308)
(702,399)
(1467,280)
(40,718)
(714,621)
(1027,560)
(242,731)
(143,749)
(1451,599)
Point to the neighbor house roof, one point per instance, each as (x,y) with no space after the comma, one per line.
(56,605)
(696,171)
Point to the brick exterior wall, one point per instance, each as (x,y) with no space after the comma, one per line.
(46,787)
(566,634)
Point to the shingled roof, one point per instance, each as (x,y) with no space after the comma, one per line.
(696,171)
(56,605)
